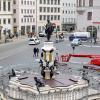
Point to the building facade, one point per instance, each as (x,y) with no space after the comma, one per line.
(88,16)
(6,22)
(48,9)
(68,18)
(23,16)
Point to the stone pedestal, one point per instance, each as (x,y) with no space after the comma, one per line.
(48,53)
(47,74)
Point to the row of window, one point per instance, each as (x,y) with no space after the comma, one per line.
(51,17)
(69,20)
(5,6)
(49,9)
(69,12)
(5,21)
(81,3)
(27,11)
(27,20)
(25,2)
(69,4)
(52,2)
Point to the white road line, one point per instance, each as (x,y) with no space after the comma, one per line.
(91,46)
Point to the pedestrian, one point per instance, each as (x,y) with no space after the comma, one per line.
(42,55)
(34,51)
(37,52)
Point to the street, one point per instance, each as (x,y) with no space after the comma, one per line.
(20,56)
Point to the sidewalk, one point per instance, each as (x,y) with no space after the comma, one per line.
(20,38)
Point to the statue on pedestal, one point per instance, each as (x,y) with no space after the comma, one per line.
(49,29)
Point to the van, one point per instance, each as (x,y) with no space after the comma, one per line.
(83,36)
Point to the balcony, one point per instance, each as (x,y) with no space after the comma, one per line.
(80,10)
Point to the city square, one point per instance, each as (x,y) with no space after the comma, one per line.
(49,50)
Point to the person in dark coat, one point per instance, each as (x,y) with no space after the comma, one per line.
(37,52)
(34,51)
(41,54)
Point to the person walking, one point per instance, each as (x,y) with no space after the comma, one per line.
(42,55)
(34,51)
(37,52)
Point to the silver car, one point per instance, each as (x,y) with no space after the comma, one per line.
(76,42)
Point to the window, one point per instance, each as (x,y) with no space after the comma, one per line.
(25,2)
(9,6)
(44,2)
(0,5)
(69,4)
(14,20)
(40,9)
(58,17)
(80,3)
(77,3)
(48,16)
(51,2)
(58,2)
(40,17)
(51,9)
(22,20)
(14,11)
(8,21)
(27,19)
(25,11)
(55,9)
(22,11)
(44,9)
(55,17)
(22,2)
(30,19)
(44,17)
(4,6)
(28,11)
(14,1)
(40,1)
(58,9)
(51,17)
(83,3)
(90,3)
(48,9)
(55,2)
(89,16)
(4,21)
(48,1)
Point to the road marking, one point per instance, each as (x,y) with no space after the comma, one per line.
(91,46)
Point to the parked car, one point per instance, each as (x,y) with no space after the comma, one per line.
(34,41)
(76,42)
(42,34)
